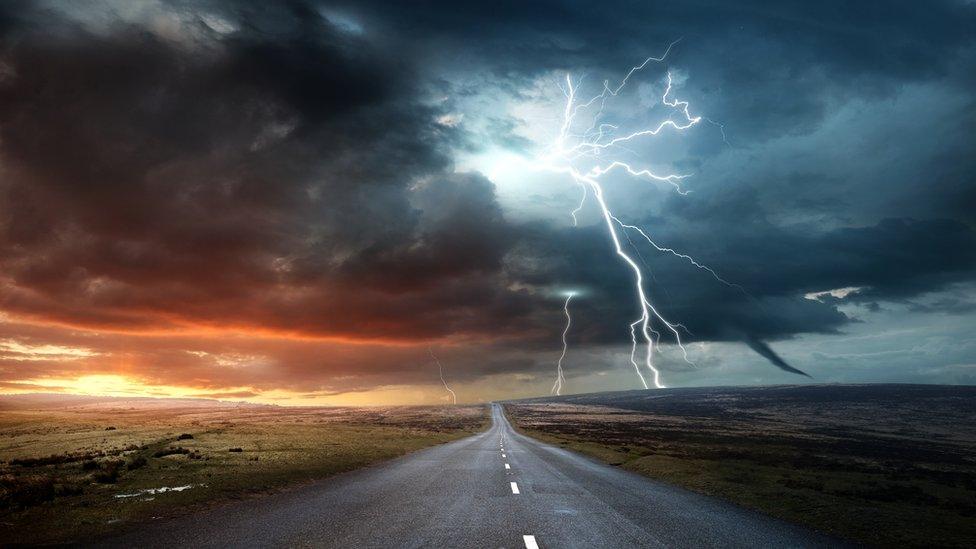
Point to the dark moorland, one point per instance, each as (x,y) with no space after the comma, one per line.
(886,465)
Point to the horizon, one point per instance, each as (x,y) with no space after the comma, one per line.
(129,397)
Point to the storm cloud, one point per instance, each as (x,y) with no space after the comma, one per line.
(173,172)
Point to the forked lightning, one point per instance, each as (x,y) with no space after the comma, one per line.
(586,156)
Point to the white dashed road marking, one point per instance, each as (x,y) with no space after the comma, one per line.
(507,466)
(503,455)
(515,488)
(530,542)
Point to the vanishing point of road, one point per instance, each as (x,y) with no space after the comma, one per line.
(494,489)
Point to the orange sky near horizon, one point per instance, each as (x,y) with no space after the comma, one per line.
(230,364)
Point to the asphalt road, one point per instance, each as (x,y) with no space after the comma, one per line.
(494,489)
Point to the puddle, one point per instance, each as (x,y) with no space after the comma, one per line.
(154,491)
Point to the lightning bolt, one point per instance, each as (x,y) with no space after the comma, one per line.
(440,371)
(582,155)
(678,254)
(558,385)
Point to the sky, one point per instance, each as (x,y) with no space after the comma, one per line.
(298,202)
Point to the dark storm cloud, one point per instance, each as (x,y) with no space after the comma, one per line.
(262,177)
(791,56)
(280,169)
(772,73)
(891,260)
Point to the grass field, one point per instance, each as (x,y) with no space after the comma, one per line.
(78,471)
(885,465)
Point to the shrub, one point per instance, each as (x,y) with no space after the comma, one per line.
(55,459)
(25,491)
(67,489)
(171,451)
(110,428)
(137,462)
(109,473)
(236,450)
(185,436)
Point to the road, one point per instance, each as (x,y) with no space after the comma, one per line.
(494,489)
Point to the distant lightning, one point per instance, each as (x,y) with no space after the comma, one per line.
(568,153)
(440,371)
(721,128)
(557,387)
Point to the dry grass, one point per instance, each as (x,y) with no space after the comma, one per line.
(882,465)
(62,470)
